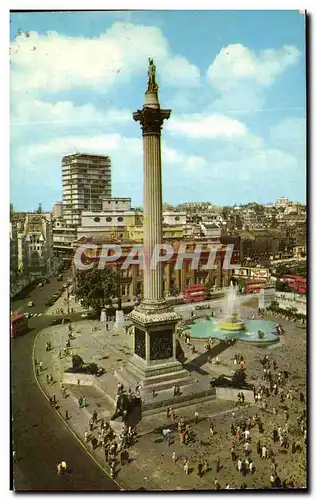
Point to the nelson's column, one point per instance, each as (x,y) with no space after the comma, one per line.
(154,320)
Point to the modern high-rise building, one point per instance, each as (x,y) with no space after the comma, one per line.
(86,180)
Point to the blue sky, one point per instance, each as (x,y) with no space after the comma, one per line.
(235,81)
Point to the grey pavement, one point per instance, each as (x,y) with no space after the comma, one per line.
(151,465)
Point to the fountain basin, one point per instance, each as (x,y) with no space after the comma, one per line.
(231,326)
(248,332)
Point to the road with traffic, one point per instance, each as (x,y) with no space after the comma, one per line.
(41,440)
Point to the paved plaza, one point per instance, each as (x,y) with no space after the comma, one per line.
(151,465)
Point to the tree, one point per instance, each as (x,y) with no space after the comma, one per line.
(225,212)
(11,211)
(95,288)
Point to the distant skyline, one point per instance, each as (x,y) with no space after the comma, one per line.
(235,81)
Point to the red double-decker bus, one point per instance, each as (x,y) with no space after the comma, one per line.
(19,325)
(254,285)
(296,283)
(194,293)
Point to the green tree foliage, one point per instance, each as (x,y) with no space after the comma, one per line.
(95,288)
(11,211)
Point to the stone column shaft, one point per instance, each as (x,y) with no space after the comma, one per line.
(152,216)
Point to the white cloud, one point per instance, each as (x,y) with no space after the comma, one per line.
(236,63)
(103,144)
(179,72)
(35,112)
(195,163)
(186,162)
(54,62)
(206,126)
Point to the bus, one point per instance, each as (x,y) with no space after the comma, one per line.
(194,293)
(296,283)
(19,325)
(254,285)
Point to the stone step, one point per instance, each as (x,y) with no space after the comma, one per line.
(180,404)
(185,399)
(131,375)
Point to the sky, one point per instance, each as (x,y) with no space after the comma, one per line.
(235,81)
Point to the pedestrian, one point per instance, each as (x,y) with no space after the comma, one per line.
(63,467)
(186,466)
(51,380)
(233,452)
(102,423)
(217,485)
(86,435)
(259,448)
(205,467)
(58,469)
(250,466)
(41,366)
(200,468)
(84,402)
(211,430)
(91,425)
(172,414)
(196,417)
(264,452)
(272,480)
(122,457)
(112,469)
(275,435)
(80,402)
(246,448)
(94,416)
(239,465)
(174,458)
(47,379)
(218,465)
(67,416)
(54,399)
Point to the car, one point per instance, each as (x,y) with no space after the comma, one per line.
(56,321)
(30,303)
(40,285)
(59,321)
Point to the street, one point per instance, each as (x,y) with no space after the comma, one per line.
(40,438)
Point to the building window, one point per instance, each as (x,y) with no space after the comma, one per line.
(97,219)
(108,219)
(120,219)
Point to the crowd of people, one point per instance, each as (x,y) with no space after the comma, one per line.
(115,448)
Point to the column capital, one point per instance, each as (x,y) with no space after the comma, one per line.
(151,119)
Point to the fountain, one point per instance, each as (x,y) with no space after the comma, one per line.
(232,326)
(231,320)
